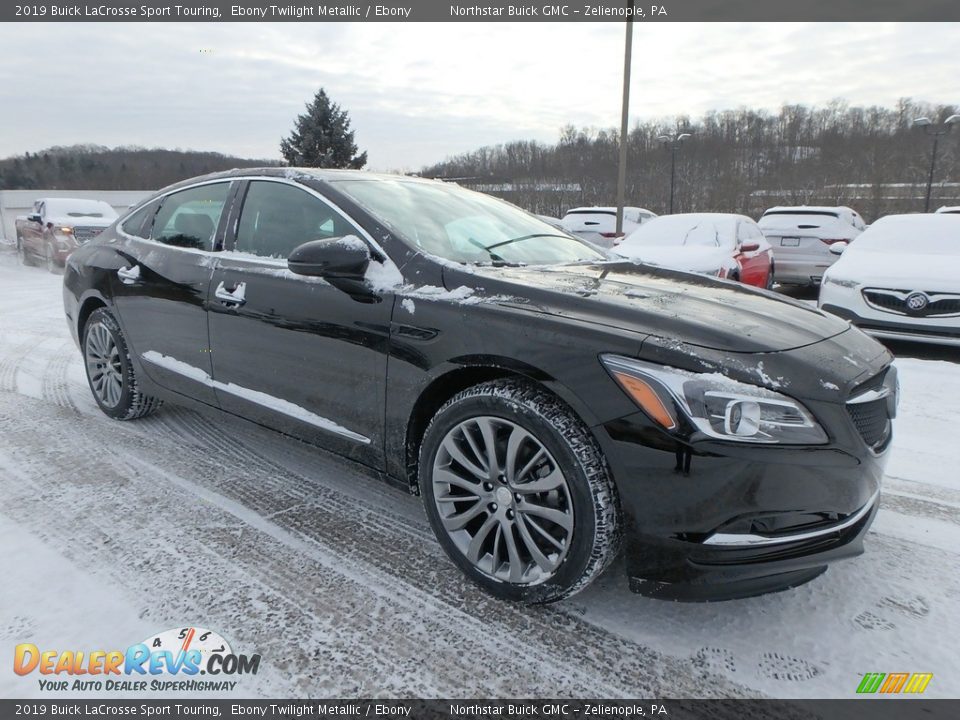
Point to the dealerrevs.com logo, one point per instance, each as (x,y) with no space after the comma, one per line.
(894,683)
(169,661)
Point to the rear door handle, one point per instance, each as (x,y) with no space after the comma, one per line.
(129,275)
(231,297)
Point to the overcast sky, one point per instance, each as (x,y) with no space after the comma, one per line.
(420,92)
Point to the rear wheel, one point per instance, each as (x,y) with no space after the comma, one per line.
(23,254)
(110,373)
(518,492)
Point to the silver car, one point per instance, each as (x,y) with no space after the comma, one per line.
(801,238)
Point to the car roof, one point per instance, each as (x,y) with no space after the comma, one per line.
(602,209)
(295,173)
(809,208)
(948,209)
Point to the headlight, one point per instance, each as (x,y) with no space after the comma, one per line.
(829,280)
(714,404)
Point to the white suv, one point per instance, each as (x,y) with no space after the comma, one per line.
(801,238)
(599,224)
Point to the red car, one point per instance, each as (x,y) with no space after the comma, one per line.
(720,244)
(58,226)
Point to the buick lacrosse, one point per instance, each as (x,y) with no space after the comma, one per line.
(551,406)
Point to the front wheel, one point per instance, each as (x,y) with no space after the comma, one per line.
(110,373)
(49,259)
(518,492)
(23,254)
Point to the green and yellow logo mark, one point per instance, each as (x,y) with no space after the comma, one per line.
(893,683)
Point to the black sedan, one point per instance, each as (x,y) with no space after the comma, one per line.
(549,404)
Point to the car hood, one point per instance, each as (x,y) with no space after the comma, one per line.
(692,259)
(900,271)
(694,309)
(81,221)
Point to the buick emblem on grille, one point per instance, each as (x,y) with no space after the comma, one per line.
(917,301)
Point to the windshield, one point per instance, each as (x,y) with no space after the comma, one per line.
(682,231)
(464,226)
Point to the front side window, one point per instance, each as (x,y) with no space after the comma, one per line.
(138,224)
(189,218)
(276,218)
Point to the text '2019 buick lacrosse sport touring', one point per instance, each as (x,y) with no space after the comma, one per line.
(550,405)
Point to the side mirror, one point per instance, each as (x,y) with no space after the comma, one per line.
(343,258)
(749,247)
(837,248)
(34,217)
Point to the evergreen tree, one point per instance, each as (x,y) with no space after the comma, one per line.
(322,138)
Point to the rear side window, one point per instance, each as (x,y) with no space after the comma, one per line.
(277,217)
(138,224)
(189,218)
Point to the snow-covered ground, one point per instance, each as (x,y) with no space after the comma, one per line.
(111,532)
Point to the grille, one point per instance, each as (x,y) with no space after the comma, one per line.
(83,234)
(895,301)
(871,421)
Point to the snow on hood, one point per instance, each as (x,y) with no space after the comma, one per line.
(691,259)
(905,251)
(100,222)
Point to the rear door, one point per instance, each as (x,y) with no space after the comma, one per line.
(291,352)
(160,293)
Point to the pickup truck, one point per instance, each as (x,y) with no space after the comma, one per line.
(57,227)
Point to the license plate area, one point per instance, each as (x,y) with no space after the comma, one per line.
(789,242)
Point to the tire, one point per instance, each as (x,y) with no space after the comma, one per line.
(22,253)
(110,373)
(492,528)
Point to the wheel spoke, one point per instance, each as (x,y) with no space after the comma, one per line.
(477,452)
(531,463)
(460,520)
(547,536)
(513,555)
(441,475)
(476,544)
(545,484)
(490,441)
(557,517)
(450,445)
(516,440)
(536,553)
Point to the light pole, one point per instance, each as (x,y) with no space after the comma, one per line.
(624,113)
(936,132)
(673,143)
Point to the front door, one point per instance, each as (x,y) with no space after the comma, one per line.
(295,353)
(161,292)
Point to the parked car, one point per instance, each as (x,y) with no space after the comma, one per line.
(544,401)
(57,227)
(599,224)
(801,238)
(949,210)
(718,244)
(551,221)
(900,279)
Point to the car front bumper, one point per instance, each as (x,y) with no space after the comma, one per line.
(848,303)
(717,521)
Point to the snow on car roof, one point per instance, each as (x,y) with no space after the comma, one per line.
(606,210)
(927,234)
(691,229)
(949,210)
(826,209)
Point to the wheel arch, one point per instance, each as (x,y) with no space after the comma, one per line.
(88,306)
(470,371)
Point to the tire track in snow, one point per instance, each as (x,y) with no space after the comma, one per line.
(558,650)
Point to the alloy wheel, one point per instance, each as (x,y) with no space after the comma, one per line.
(103,365)
(503,500)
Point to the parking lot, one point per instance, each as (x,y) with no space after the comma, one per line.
(337,581)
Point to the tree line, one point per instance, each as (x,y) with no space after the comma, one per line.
(871,158)
(95,167)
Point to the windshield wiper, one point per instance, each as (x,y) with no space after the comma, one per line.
(488,248)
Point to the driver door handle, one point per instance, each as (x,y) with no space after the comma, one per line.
(231,297)
(129,275)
